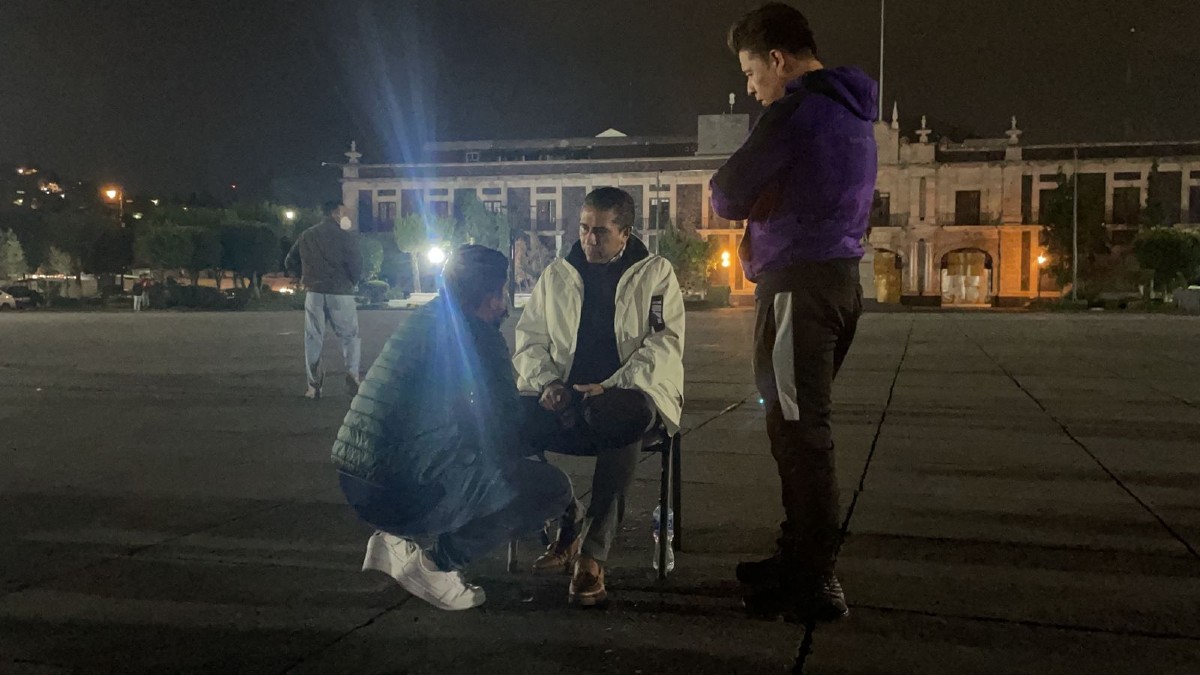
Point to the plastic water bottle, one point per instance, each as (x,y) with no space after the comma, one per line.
(670,536)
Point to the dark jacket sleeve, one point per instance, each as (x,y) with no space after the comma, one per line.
(770,148)
(353,258)
(503,400)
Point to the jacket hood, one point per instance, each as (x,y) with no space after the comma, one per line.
(635,250)
(850,86)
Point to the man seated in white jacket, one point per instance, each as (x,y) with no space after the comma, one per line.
(600,359)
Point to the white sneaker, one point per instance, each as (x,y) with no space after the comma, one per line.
(312,392)
(404,561)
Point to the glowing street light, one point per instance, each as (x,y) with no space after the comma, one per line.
(1042,260)
(436,255)
(725,261)
(289,214)
(115,194)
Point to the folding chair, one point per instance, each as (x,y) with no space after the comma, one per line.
(670,497)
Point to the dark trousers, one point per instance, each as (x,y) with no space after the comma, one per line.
(803,331)
(609,427)
(543,492)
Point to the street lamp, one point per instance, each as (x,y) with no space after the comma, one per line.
(1042,260)
(115,194)
(725,261)
(289,214)
(436,255)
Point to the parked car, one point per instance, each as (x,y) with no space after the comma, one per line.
(26,297)
(7,302)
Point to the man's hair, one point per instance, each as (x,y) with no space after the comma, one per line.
(616,201)
(472,273)
(775,25)
(329,207)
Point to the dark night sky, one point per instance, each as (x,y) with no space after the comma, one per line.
(183,95)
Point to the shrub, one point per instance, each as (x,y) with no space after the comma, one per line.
(376,291)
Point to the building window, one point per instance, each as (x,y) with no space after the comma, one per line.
(1127,205)
(472,156)
(410,203)
(385,214)
(922,199)
(966,207)
(438,192)
(493,205)
(922,264)
(881,209)
(385,193)
(1194,204)
(1051,178)
(1127,175)
(491,191)
(547,214)
(440,209)
(365,223)
(1026,199)
(660,213)
(1026,258)
(547,190)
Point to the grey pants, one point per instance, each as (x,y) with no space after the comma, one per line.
(610,427)
(342,313)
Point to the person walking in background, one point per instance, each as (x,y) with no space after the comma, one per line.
(329,262)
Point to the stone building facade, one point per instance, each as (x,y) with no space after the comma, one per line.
(953,223)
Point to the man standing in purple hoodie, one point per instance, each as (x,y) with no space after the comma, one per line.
(804,180)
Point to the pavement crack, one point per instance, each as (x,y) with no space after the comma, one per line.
(1088,451)
(334,642)
(1030,623)
(862,479)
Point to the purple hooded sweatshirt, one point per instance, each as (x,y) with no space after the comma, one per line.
(805,178)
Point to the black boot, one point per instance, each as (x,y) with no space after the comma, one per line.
(821,600)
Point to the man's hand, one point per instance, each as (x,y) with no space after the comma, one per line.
(589,390)
(555,397)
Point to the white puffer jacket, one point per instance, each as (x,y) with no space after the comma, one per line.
(649,329)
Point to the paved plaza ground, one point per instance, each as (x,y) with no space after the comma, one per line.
(1024,496)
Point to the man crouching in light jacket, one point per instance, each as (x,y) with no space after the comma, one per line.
(599,363)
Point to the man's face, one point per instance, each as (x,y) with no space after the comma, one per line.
(602,239)
(765,75)
(494,308)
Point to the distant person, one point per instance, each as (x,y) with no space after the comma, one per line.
(804,180)
(141,292)
(330,265)
(431,448)
(600,359)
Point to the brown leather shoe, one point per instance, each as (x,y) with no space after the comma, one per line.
(587,584)
(558,558)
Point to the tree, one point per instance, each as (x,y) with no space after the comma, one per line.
(1162,207)
(409,233)
(249,250)
(372,255)
(690,255)
(206,254)
(167,247)
(12,256)
(532,258)
(481,226)
(75,233)
(112,252)
(1057,216)
(57,262)
(1173,255)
